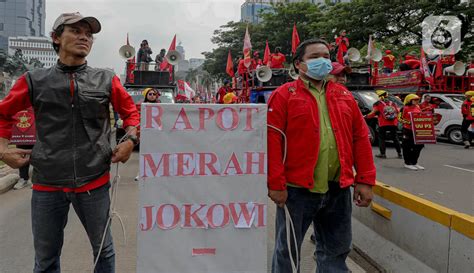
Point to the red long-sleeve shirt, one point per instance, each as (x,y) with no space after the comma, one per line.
(405,115)
(19,99)
(388,61)
(294,110)
(277,60)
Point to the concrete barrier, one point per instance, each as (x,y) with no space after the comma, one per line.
(405,233)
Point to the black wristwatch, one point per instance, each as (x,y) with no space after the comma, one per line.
(133,138)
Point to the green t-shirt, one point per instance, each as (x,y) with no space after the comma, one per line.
(328,166)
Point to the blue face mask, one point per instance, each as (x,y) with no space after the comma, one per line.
(318,68)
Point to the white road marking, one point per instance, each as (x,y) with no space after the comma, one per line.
(454,167)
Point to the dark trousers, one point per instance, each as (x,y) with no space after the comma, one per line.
(388,132)
(25,169)
(387,70)
(49,213)
(330,214)
(411,151)
(464,129)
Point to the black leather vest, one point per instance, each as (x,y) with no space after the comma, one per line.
(71,106)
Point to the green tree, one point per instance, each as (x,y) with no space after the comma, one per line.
(393,26)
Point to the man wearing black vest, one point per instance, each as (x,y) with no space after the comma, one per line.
(72,155)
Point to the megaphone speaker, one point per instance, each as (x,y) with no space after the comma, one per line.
(353,54)
(127,52)
(174,57)
(457,68)
(264,73)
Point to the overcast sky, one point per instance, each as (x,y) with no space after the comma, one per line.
(193,21)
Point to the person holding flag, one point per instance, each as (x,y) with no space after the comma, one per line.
(256,62)
(342,43)
(165,65)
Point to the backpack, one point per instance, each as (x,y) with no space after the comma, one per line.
(389,112)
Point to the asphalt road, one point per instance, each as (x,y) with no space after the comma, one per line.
(448,179)
(16,246)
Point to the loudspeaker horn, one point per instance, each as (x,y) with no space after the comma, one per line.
(353,54)
(376,55)
(293,73)
(457,68)
(174,57)
(127,52)
(264,73)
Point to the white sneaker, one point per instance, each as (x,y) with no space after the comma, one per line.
(21,184)
(419,167)
(137,178)
(411,167)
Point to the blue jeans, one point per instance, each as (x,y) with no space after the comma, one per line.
(331,215)
(49,213)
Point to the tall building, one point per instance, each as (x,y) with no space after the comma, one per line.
(194,63)
(181,50)
(251,9)
(34,47)
(21,18)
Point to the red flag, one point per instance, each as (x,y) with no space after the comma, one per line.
(165,65)
(266,56)
(439,68)
(130,66)
(424,68)
(247,48)
(230,65)
(295,39)
(438,77)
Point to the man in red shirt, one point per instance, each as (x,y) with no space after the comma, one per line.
(242,69)
(388,62)
(223,91)
(316,136)
(387,113)
(72,155)
(277,59)
(342,42)
(256,62)
(411,62)
(426,105)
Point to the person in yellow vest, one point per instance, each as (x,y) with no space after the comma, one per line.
(467,110)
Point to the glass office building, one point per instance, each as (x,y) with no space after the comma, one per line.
(21,18)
